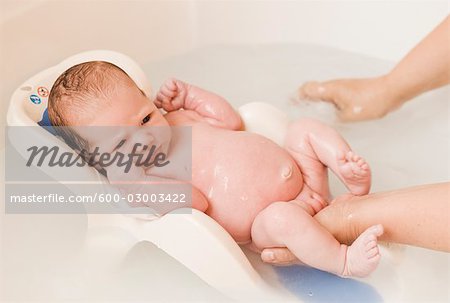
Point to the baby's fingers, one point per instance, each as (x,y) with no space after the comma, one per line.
(171,84)
(164,102)
(161,98)
(158,101)
(168,92)
(168,105)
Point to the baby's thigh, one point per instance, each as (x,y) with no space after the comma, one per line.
(278,222)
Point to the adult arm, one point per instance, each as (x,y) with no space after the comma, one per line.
(425,67)
(418,216)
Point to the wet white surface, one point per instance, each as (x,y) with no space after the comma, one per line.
(41,256)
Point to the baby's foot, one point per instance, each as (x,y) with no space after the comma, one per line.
(363,255)
(355,173)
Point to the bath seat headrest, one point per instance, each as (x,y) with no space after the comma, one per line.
(29,102)
(28,107)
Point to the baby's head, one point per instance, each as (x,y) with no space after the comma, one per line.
(100,94)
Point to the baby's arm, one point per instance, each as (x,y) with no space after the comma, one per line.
(175,95)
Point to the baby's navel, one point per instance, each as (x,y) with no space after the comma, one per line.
(286,171)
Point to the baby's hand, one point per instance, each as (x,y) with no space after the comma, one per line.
(171,95)
(130,173)
(128,178)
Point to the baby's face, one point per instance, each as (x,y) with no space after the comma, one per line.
(132,117)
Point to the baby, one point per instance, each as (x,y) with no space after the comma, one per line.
(264,195)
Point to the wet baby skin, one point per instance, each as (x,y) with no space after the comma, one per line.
(263,194)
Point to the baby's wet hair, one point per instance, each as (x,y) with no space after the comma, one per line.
(77,92)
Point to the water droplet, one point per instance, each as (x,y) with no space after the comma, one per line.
(357,109)
(310,294)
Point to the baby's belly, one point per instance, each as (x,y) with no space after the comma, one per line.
(241,173)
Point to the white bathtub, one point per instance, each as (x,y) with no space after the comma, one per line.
(246,51)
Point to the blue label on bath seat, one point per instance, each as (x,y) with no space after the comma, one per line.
(35,99)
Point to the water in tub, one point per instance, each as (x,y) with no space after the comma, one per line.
(409,147)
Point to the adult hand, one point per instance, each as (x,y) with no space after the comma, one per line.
(354,99)
(334,218)
(279,256)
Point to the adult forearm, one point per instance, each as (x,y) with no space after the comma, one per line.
(425,67)
(416,216)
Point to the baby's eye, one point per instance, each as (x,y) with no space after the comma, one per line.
(146,119)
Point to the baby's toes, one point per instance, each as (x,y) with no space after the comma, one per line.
(352,157)
(371,242)
(359,164)
(356,158)
(373,252)
(349,156)
(363,168)
(363,255)
(375,231)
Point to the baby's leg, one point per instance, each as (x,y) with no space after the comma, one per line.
(315,145)
(286,224)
